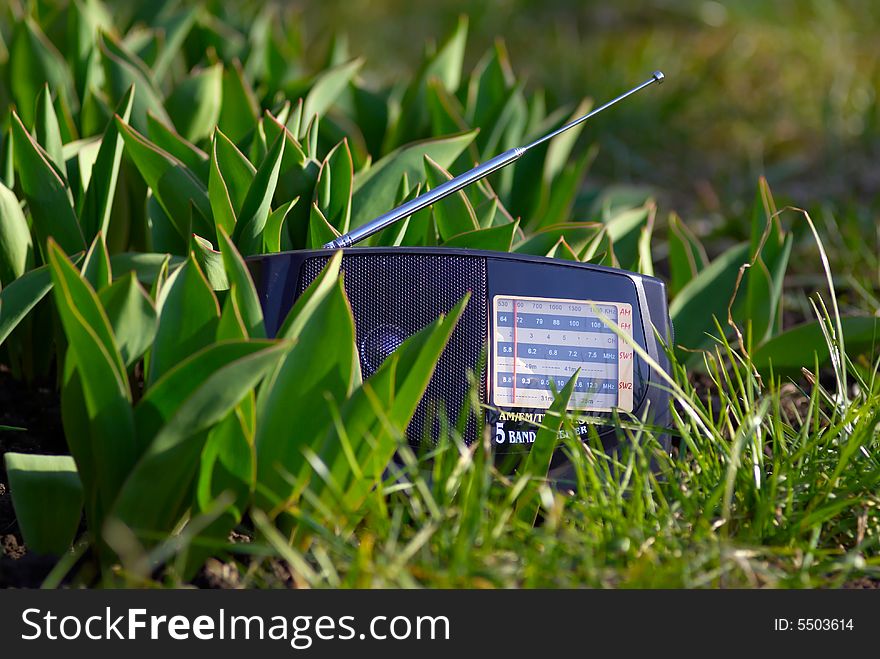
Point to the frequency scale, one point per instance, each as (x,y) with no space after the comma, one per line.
(539,344)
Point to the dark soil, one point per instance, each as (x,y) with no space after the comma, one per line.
(36,409)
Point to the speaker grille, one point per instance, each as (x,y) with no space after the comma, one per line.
(393,297)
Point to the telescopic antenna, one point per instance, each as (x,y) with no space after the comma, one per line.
(471,176)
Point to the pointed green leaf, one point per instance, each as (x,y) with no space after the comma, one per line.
(195,103)
(687,256)
(334,187)
(242,288)
(257,204)
(210,261)
(328,85)
(94,215)
(229,180)
(275,238)
(45,192)
(46,128)
(576,234)
(188,315)
(321,231)
(132,316)
(96,266)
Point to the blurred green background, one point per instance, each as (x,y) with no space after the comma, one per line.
(785,88)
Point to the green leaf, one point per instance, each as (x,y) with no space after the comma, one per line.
(210,262)
(46,128)
(46,193)
(94,216)
(275,238)
(562,250)
(624,229)
(686,255)
(646,260)
(33,62)
(194,396)
(705,297)
(498,239)
(239,109)
(242,288)
(305,304)
(445,65)
(195,103)
(334,187)
(321,231)
(454,214)
(188,315)
(375,189)
(174,185)
(96,267)
(802,346)
(132,316)
(446,111)
(565,189)
(229,180)
(302,386)
(48,500)
(489,89)
(102,377)
(231,326)
(531,177)
(122,69)
(327,86)
(257,204)
(769,252)
(16,248)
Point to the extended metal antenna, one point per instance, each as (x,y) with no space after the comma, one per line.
(471,176)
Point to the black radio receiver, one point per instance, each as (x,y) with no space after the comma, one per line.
(536,320)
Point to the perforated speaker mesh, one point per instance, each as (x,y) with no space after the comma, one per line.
(394,296)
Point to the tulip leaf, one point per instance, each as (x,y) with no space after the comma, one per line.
(188,315)
(46,193)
